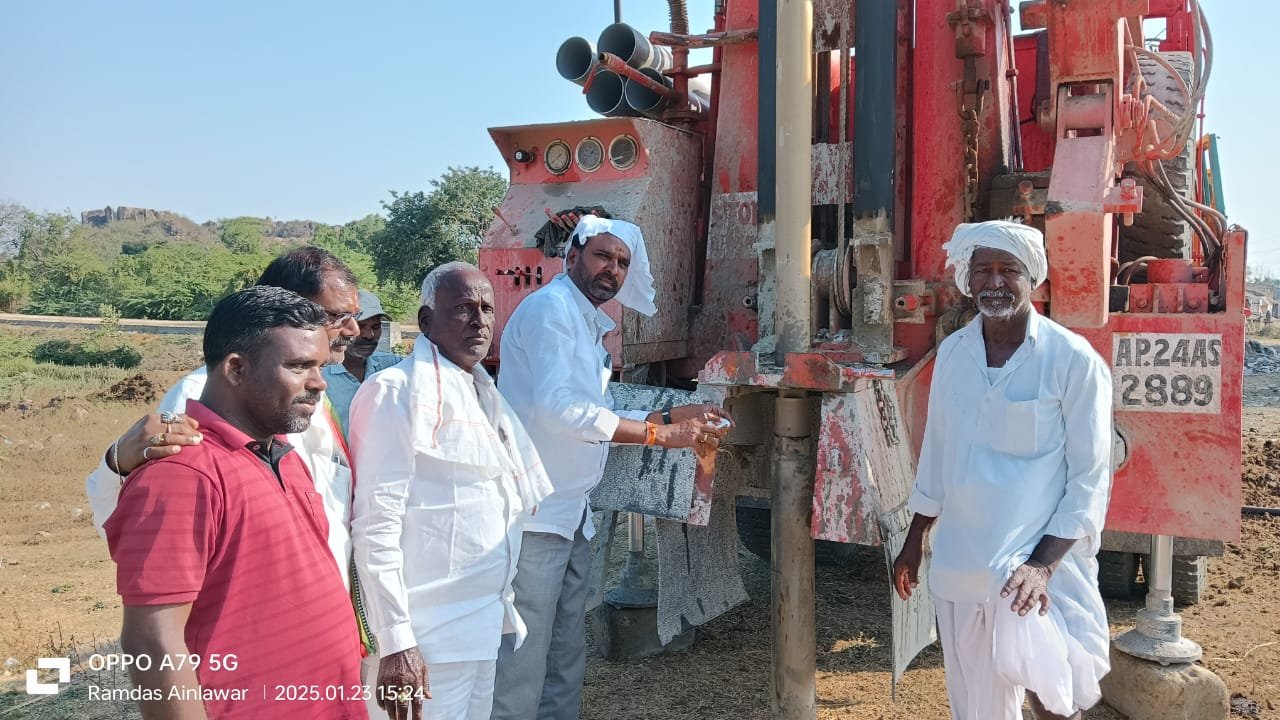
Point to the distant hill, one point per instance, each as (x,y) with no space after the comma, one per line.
(132,229)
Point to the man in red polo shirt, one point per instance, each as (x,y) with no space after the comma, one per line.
(233,605)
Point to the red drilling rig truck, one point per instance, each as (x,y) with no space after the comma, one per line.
(795,192)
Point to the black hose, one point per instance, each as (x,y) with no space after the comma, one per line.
(1255,510)
(679,17)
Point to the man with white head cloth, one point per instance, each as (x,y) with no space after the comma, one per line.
(1016,470)
(555,374)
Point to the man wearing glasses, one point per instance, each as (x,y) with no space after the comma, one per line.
(316,275)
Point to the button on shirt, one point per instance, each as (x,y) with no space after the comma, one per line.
(241,537)
(555,375)
(437,509)
(1013,456)
(343,385)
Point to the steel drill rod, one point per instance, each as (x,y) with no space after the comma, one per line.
(793,605)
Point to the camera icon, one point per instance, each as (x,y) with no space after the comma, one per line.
(62,665)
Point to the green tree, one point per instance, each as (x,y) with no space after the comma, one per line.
(73,281)
(424,230)
(243,235)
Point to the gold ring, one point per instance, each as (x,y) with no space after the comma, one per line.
(157,439)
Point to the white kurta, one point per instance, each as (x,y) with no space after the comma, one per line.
(447,475)
(555,373)
(319,446)
(1006,461)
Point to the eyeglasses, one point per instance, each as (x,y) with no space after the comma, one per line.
(337,320)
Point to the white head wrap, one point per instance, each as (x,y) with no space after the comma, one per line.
(637,290)
(1022,241)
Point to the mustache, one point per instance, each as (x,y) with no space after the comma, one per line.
(339,342)
(311,398)
(995,294)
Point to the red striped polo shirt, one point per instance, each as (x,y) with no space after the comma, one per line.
(215,527)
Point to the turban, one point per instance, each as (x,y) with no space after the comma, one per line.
(1022,241)
(637,290)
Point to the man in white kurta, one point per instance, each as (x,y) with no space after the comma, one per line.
(447,476)
(1015,469)
(555,373)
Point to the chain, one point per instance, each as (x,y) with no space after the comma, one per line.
(969,125)
(969,94)
(888,418)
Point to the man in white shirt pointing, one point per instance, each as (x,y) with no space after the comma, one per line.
(555,373)
(447,474)
(1015,469)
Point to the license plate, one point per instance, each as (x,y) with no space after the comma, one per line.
(1167,372)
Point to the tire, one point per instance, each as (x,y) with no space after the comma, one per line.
(754,533)
(1158,230)
(1190,578)
(1118,575)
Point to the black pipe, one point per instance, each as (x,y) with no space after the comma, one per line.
(617,11)
(1255,510)
(875,35)
(767,124)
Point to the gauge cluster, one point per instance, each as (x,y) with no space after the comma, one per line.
(591,153)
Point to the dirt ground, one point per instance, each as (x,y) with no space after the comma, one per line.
(57,586)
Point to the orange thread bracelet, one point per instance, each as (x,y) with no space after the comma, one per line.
(650,433)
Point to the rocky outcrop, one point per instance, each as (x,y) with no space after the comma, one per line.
(98,218)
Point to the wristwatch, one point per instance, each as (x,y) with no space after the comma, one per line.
(666,416)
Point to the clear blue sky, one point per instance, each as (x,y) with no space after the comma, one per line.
(316,109)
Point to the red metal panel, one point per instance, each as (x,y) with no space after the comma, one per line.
(1085,39)
(1182,476)
(1078,231)
(846,504)
(510,289)
(937,169)
(1037,145)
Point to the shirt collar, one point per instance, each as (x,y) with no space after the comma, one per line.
(422,347)
(213,425)
(974,328)
(592,313)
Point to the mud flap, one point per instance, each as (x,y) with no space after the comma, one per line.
(915,619)
(865,471)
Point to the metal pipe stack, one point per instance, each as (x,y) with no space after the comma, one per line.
(610,94)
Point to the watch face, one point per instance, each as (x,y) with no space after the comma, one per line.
(590,154)
(557,157)
(623,152)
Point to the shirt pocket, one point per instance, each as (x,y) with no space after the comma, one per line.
(1011,427)
(315,504)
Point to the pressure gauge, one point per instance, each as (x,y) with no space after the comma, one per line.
(590,154)
(557,157)
(623,152)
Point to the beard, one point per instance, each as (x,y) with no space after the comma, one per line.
(297,419)
(996,304)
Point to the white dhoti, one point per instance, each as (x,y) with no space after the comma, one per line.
(992,656)
(459,690)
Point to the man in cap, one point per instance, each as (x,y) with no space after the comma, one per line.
(555,374)
(447,474)
(361,360)
(1013,478)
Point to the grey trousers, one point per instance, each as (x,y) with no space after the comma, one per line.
(543,679)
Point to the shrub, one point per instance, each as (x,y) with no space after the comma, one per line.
(65,352)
